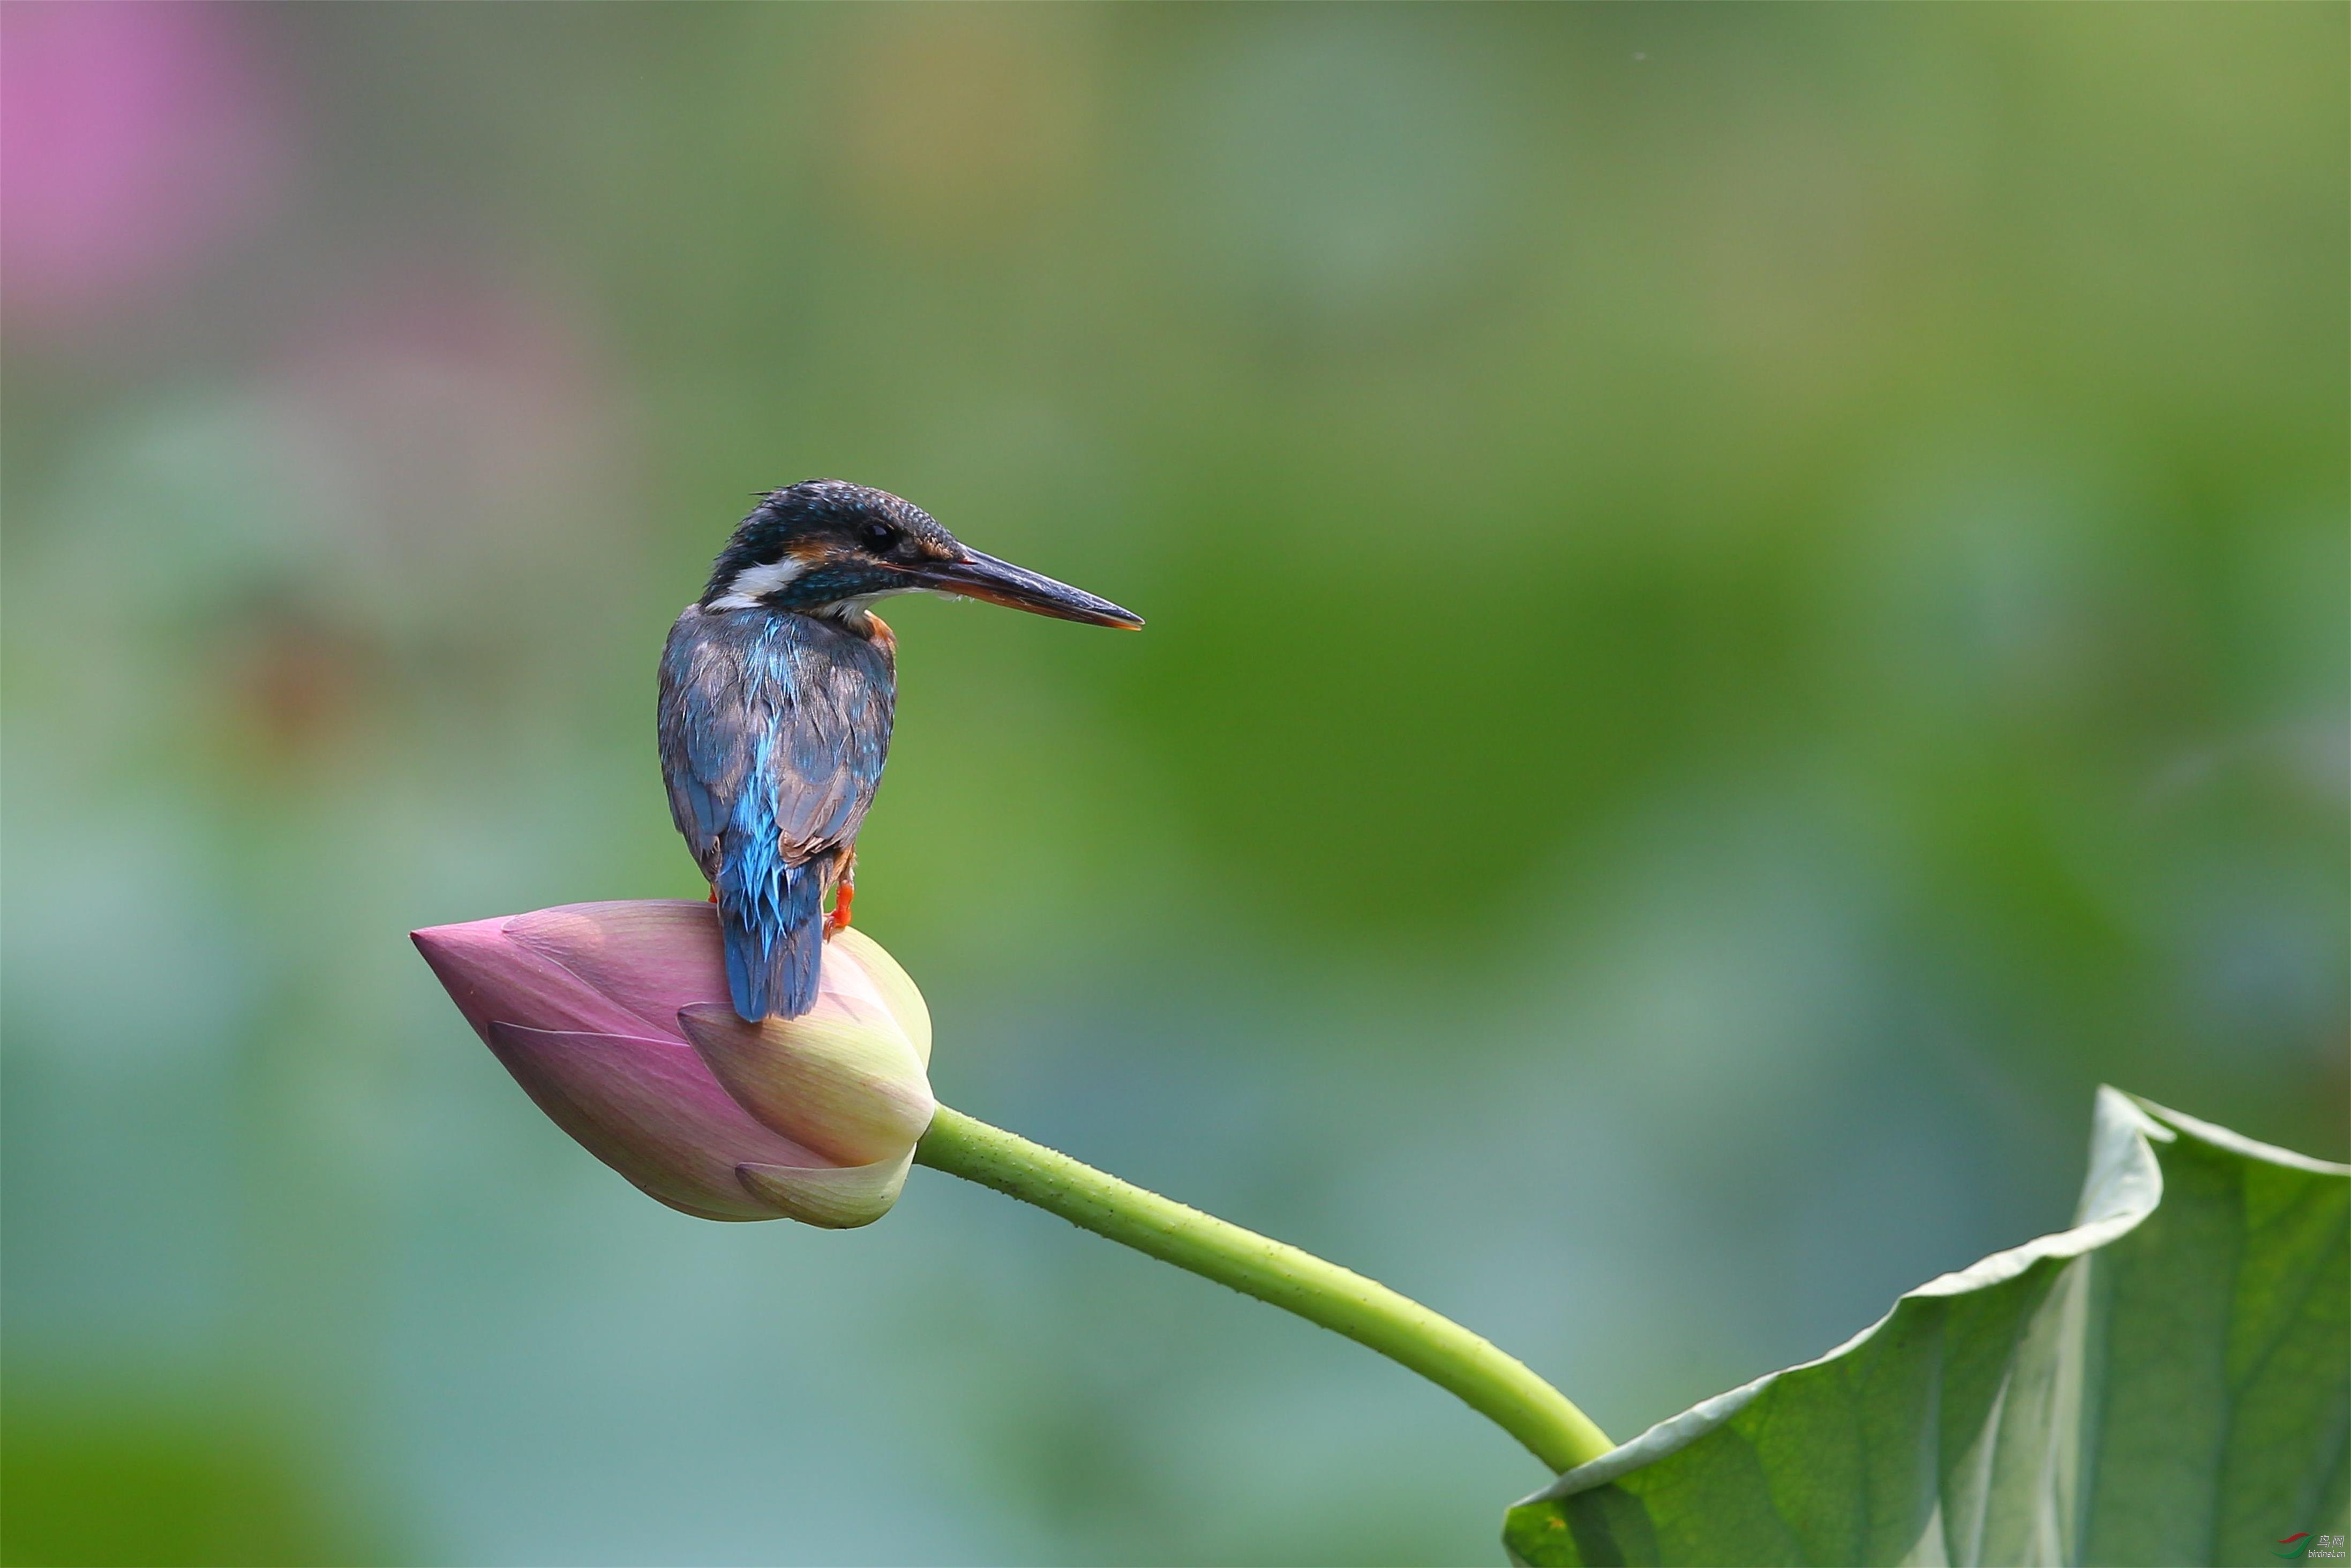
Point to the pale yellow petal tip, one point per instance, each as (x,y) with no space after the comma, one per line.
(849,1087)
(837,1198)
(896,987)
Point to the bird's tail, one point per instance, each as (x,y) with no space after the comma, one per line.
(775,938)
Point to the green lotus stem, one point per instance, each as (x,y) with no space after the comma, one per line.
(1497,1386)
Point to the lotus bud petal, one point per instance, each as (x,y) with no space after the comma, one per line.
(589,1007)
(652,957)
(491,976)
(838,1196)
(894,987)
(848,1085)
(649,1109)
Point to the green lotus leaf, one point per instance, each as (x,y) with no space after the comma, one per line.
(2168,1382)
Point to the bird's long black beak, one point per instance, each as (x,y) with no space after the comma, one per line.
(978,576)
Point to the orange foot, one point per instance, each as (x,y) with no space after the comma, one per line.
(841,895)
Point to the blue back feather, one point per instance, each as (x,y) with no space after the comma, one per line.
(772,914)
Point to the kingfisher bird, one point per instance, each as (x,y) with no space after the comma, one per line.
(778,686)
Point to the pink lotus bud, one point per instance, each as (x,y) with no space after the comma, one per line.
(614,1019)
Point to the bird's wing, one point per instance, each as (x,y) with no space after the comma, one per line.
(701,676)
(831,738)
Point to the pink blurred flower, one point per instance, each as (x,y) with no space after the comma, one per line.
(613,1018)
(132,138)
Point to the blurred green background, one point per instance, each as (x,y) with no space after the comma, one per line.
(1744,603)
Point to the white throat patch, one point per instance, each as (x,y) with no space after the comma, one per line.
(849,611)
(754,583)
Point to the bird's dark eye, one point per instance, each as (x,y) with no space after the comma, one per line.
(879,537)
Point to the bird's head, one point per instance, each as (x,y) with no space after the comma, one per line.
(826,547)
